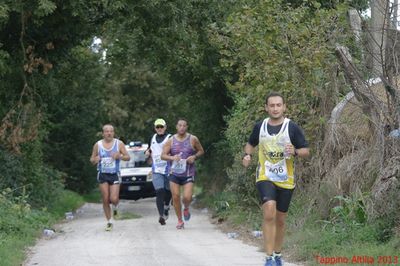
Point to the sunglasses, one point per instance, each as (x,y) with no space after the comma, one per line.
(159,126)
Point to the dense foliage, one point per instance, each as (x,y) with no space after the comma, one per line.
(274,47)
(155,60)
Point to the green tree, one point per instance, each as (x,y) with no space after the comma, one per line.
(163,64)
(273,46)
(50,84)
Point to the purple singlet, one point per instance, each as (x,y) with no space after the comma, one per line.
(185,149)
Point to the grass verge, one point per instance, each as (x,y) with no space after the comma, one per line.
(93,196)
(307,236)
(21,225)
(128,216)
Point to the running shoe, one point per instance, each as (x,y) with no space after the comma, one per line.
(269,261)
(186,214)
(161,220)
(166,213)
(116,214)
(278,260)
(180,225)
(109,226)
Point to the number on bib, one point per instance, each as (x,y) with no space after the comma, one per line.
(179,167)
(107,163)
(276,172)
(159,165)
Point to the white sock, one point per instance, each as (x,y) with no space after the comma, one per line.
(277,254)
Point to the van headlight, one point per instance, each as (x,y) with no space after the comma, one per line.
(149,177)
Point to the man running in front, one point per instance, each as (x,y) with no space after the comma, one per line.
(182,149)
(107,154)
(160,169)
(280,140)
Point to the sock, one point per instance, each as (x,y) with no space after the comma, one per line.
(277,254)
(269,257)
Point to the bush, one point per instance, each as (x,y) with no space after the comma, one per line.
(16,215)
(12,171)
(28,177)
(344,232)
(20,224)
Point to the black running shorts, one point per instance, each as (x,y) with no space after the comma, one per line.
(181,180)
(111,179)
(267,191)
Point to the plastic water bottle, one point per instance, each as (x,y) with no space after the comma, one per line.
(232,235)
(282,142)
(205,210)
(257,234)
(69,215)
(48,233)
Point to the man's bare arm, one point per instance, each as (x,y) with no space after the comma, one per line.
(95,158)
(303,152)
(165,155)
(199,150)
(124,153)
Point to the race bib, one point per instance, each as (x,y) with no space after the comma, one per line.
(276,172)
(159,165)
(108,163)
(179,167)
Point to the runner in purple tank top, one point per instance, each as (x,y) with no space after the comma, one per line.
(182,149)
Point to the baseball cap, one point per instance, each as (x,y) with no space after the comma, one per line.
(160,122)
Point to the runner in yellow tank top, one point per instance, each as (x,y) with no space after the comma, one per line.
(280,140)
(274,163)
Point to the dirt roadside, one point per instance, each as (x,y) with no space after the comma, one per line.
(141,241)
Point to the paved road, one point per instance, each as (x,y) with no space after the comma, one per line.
(142,241)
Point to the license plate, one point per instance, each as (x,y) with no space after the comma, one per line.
(133,188)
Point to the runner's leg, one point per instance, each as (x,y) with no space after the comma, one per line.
(114,194)
(283,199)
(187,199)
(187,194)
(158,184)
(105,196)
(280,230)
(168,195)
(269,226)
(175,191)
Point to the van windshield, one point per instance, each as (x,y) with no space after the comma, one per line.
(138,159)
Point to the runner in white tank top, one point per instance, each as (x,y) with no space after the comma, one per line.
(160,169)
(106,154)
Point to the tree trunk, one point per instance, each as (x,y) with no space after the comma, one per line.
(379,26)
(395,13)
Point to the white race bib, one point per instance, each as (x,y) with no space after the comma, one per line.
(159,165)
(107,163)
(179,167)
(276,172)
